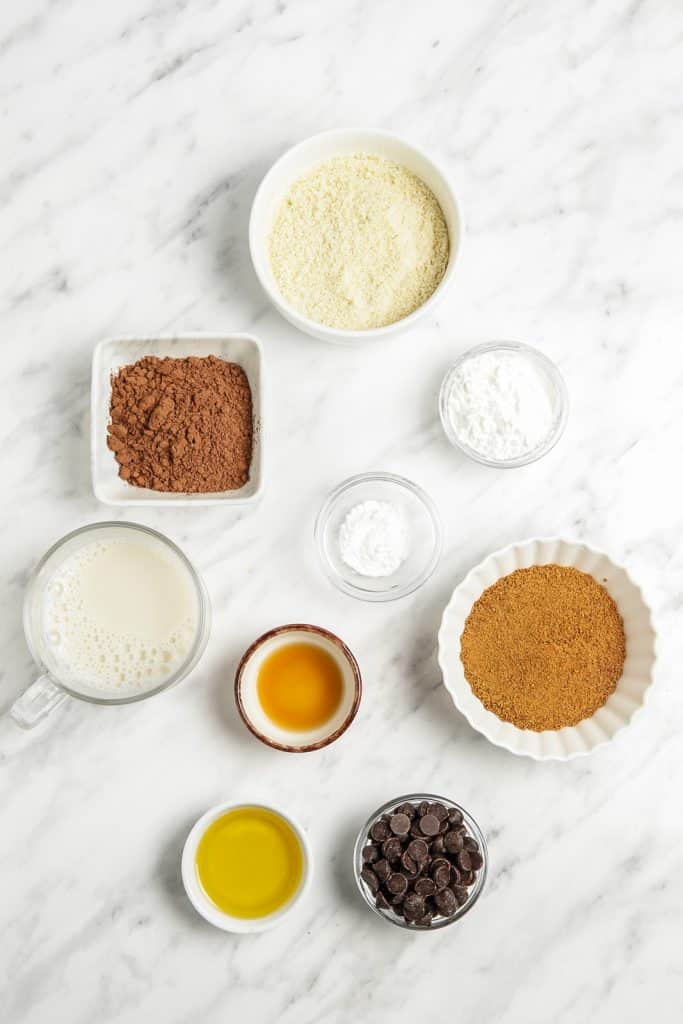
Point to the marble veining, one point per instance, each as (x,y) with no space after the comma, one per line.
(134,136)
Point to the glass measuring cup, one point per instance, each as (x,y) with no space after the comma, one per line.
(54,686)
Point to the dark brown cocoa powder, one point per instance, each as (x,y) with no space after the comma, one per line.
(182,424)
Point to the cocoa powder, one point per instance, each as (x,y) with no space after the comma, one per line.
(182,424)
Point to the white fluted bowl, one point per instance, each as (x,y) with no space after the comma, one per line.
(631,690)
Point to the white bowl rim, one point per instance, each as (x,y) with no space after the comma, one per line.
(338,335)
(535,755)
(204,906)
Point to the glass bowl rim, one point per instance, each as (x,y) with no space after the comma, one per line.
(477,888)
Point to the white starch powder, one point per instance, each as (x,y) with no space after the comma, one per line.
(500,404)
(373,539)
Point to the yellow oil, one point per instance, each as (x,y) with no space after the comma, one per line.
(249,862)
(299,686)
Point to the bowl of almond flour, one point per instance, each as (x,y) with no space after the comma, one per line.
(354,235)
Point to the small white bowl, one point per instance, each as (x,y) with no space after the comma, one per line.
(113,353)
(249,706)
(631,690)
(308,154)
(422,520)
(557,391)
(206,907)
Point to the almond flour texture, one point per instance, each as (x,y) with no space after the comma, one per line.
(358,242)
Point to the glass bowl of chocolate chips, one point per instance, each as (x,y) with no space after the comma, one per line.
(420,861)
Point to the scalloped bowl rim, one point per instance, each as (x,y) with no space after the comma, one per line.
(454,666)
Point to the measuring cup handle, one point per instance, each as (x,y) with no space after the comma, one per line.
(39,700)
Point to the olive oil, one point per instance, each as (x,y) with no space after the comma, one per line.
(299,686)
(250,862)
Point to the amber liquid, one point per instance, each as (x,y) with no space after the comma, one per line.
(299,686)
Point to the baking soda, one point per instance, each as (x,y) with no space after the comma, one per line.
(373,539)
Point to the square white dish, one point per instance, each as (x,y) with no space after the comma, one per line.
(113,353)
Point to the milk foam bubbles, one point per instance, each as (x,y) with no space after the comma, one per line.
(119,615)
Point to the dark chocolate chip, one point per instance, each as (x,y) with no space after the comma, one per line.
(380,831)
(446,902)
(441,876)
(471,844)
(453,842)
(463,860)
(370,879)
(425,887)
(425,922)
(399,824)
(454,816)
(413,907)
(382,869)
(467,877)
(423,808)
(370,854)
(437,845)
(476,860)
(429,825)
(418,850)
(409,865)
(397,884)
(460,893)
(392,849)
(439,811)
(408,809)
(437,863)
(381,901)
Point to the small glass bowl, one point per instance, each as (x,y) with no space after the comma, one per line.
(391,915)
(424,529)
(556,387)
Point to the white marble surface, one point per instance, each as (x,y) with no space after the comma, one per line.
(133,137)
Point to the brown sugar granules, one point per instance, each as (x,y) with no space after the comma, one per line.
(544,647)
(182,424)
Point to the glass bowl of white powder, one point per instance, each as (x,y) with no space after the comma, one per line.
(504,404)
(379,536)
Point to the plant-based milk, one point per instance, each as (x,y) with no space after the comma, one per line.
(119,615)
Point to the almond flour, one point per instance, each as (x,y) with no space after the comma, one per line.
(358,242)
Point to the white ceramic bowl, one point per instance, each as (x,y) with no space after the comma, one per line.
(313,151)
(206,907)
(110,355)
(631,691)
(249,706)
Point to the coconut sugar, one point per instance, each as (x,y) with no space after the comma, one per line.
(358,242)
